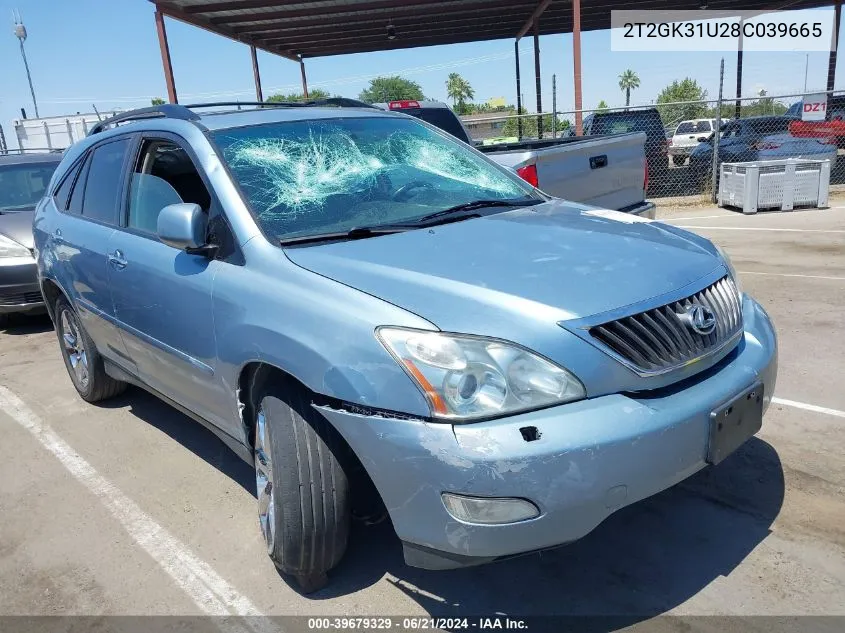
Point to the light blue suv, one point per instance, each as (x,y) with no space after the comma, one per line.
(386,323)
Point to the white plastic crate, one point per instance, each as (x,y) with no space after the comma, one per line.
(774,184)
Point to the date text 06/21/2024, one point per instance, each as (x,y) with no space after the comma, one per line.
(416,623)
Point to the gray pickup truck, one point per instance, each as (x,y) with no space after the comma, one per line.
(608,171)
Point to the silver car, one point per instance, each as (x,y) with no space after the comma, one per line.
(23,181)
(385,322)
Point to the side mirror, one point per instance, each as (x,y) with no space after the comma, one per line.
(183,226)
(702,139)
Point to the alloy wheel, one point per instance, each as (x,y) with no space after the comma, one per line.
(74,348)
(264,480)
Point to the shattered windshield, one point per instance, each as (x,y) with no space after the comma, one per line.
(324,176)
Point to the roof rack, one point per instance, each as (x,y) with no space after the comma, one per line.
(167,110)
(185,112)
(37,151)
(340,102)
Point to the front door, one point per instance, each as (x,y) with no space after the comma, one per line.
(162,295)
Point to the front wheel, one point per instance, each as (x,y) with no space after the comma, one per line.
(303,491)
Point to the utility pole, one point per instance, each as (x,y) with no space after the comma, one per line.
(806,68)
(20,33)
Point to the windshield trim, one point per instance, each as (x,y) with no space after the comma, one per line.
(210,135)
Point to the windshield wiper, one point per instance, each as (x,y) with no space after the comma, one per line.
(355,233)
(477,204)
(360,232)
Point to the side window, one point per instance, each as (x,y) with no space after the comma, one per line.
(104,183)
(62,192)
(164,174)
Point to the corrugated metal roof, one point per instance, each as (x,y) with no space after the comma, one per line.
(337,27)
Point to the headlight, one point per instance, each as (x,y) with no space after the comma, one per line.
(10,248)
(465,377)
(731,270)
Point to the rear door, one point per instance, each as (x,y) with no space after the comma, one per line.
(162,295)
(80,240)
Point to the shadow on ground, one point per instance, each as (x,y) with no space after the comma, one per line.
(189,433)
(642,561)
(21,324)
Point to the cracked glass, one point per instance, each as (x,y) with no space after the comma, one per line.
(305,178)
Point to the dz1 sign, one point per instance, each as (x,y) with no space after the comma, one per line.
(815,107)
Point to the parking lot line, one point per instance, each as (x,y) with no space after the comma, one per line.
(209,591)
(699,217)
(760,228)
(809,407)
(751,272)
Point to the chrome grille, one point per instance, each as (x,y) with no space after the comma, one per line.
(21,298)
(657,340)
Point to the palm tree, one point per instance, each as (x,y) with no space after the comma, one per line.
(628,81)
(459,91)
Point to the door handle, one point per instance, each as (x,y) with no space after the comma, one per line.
(597,162)
(117,261)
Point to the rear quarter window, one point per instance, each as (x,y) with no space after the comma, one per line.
(63,191)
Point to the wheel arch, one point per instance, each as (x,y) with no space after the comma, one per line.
(253,380)
(51,291)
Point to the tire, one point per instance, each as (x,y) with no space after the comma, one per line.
(677,161)
(82,360)
(303,490)
(4,321)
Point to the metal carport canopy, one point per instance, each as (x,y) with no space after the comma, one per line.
(299,29)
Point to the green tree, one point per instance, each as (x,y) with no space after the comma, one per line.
(763,105)
(484,108)
(628,81)
(313,95)
(529,125)
(602,106)
(394,88)
(459,92)
(156,101)
(680,101)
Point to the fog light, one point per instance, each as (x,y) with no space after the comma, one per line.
(489,510)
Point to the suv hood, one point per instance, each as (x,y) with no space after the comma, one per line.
(558,260)
(17,225)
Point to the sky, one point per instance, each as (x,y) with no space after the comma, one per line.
(105,52)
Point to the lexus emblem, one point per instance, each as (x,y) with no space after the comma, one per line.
(699,319)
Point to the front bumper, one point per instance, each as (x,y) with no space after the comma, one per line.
(592,458)
(19,289)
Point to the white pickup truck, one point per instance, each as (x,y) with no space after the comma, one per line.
(608,171)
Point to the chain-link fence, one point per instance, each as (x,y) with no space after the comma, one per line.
(686,142)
